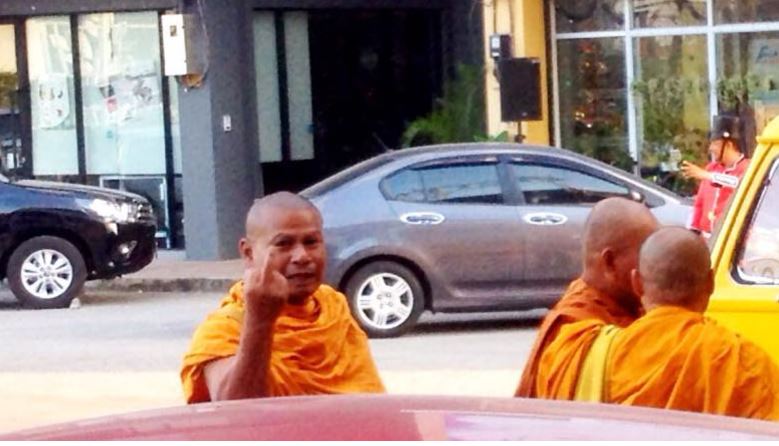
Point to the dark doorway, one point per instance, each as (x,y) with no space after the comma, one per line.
(372,73)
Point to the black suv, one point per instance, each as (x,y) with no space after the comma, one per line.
(55,236)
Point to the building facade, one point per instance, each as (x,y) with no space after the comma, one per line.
(292,92)
(636,82)
(295,90)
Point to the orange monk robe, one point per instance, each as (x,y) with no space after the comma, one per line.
(580,302)
(677,359)
(317,348)
(562,360)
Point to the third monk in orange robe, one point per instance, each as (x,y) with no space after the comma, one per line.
(673,357)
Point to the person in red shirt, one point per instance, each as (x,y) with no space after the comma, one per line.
(721,176)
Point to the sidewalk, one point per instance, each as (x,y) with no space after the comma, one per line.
(171,272)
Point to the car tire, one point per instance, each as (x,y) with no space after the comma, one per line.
(46,272)
(386,298)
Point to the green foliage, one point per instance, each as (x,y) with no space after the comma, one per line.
(734,91)
(458,116)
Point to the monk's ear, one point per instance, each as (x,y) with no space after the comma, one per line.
(637,283)
(246,250)
(608,258)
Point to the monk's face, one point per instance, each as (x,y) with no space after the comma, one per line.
(294,240)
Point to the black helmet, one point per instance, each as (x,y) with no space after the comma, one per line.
(726,127)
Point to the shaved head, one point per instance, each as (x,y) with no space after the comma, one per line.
(613,234)
(285,230)
(270,206)
(617,222)
(675,269)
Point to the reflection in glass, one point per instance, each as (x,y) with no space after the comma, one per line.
(52,96)
(746,11)
(665,13)
(759,257)
(593,99)
(748,79)
(589,15)
(121,82)
(672,101)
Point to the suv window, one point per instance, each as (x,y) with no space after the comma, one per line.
(446,183)
(544,184)
(758,259)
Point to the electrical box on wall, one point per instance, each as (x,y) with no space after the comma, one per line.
(179,33)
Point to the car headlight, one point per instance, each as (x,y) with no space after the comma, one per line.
(108,210)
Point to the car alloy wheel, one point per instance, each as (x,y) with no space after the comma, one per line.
(47,274)
(384,301)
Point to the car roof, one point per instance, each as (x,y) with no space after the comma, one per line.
(425,153)
(396,417)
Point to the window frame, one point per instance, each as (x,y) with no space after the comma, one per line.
(548,161)
(739,276)
(449,161)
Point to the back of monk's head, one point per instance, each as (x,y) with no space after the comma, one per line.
(613,234)
(675,269)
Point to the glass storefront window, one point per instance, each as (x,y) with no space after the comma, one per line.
(593,100)
(121,83)
(672,98)
(666,13)
(748,78)
(746,11)
(589,15)
(124,130)
(52,96)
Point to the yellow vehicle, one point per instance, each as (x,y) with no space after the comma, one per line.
(745,251)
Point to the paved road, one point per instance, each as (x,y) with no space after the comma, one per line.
(121,352)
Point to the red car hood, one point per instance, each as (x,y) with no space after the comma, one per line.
(393,417)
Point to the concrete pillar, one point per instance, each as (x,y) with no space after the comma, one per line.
(221,173)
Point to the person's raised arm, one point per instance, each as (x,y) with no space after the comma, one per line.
(246,375)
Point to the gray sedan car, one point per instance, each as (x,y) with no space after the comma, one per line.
(465,228)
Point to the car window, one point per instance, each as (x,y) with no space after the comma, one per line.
(544,184)
(405,185)
(447,183)
(758,259)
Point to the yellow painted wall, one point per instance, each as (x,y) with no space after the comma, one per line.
(529,40)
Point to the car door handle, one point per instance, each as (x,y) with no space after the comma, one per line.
(422,218)
(545,219)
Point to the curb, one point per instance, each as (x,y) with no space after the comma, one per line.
(161,285)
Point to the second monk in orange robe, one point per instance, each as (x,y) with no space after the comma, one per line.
(613,234)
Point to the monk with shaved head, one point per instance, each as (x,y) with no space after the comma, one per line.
(673,357)
(613,234)
(279,331)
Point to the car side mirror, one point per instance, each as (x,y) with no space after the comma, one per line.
(637,196)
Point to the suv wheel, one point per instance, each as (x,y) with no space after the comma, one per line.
(386,298)
(46,272)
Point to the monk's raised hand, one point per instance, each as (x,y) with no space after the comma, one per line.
(265,289)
